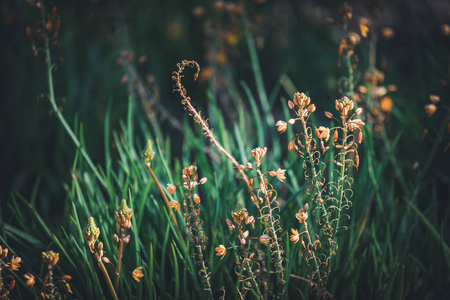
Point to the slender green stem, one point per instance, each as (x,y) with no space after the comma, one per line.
(204,270)
(60,116)
(166,202)
(105,273)
(341,188)
(315,179)
(253,279)
(314,256)
(119,258)
(273,235)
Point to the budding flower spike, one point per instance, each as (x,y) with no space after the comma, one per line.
(91,233)
(148,153)
(123,215)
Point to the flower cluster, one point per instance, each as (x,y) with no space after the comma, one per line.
(7,282)
(193,223)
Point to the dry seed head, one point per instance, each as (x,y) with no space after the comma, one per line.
(91,232)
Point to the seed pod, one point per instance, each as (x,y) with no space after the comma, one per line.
(357,160)
(360,137)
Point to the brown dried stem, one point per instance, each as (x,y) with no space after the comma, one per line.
(203,122)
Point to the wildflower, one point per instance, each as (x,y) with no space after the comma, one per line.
(355,124)
(137,273)
(435,99)
(30,281)
(264,239)
(380,91)
(386,104)
(196,198)
(387,33)
(354,38)
(50,258)
(430,109)
(250,220)
(301,216)
(282,126)
(171,188)
(221,251)
(279,174)
(174,204)
(364,26)
(329,115)
(203,180)
(14,264)
(294,237)
(324,133)
(258,153)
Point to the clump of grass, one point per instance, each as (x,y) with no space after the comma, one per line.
(91,234)
(264,196)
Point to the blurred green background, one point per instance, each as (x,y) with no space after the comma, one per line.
(296,41)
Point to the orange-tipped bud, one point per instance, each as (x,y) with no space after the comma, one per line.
(329,115)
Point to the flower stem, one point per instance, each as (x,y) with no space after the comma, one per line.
(60,116)
(105,273)
(166,202)
(119,259)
